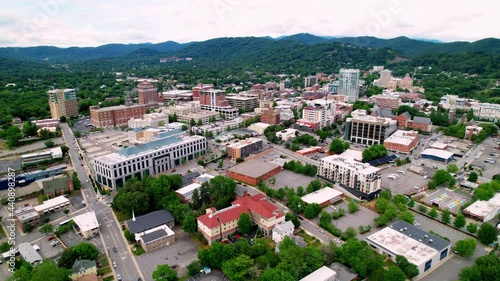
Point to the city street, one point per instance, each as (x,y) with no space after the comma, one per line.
(110,231)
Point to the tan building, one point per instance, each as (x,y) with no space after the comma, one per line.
(63,103)
(402,141)
(115,115)
(156,238)
(243,148)
(86,224)
(245,102)
(148,94)
(368,130)
(27,215)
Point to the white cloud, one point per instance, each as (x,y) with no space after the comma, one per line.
(90,23)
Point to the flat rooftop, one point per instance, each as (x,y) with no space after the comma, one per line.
(117,107)
(321,274)
(437,152)
(402,137)
(253,168)
(404,239)
(244,142)
(484,208)
(59,201)
(87,221)
(321,196)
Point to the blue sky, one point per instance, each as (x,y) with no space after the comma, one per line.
(67,23)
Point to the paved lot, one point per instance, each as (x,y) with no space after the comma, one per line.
(406,182)
(10,163)
(363,216)
(70,239)
(290,179)
(30,147)
(447,199)
(47,251)
(489,169)
(215,275)
(179,254)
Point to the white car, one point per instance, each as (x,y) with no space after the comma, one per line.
(114,264)
(118,277)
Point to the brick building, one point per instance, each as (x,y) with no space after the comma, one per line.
(422,123)
(253,171)
(244,148)
(402,141)
(270,116)
(200,87)
(63,103)
(115,115)
(148,94)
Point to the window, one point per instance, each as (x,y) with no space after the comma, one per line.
(428,265)
(444,253)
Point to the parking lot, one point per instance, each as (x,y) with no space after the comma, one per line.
(215,275)
(407,182)
(290,179)
(445,199)
(488,169)
(178,255)
(47,251)
(363,216)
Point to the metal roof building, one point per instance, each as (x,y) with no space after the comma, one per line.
(29,253)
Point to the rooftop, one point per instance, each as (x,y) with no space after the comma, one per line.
(86,221)
(117,107)
(349,160)
(283,227)
(402,238)
(25,213)
(402,137)
(29,253)
(321,274)
(148,221)
(253,168)
(204,178)
(421,120)
(437,152)
(155,235)
(321,196)
(54,184)
(187,191)
(244,142)
(82,265)
(58,201)
(484,208)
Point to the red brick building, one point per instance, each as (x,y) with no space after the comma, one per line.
(270,116)
(148,94)
(253,171)
(213,97)
(417,123)
(200,87)
(115,115)
(402,141)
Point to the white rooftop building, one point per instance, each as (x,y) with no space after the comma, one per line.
(149,120)
(29,253)
(87,224)
(484,210)
(282,230)
(321,274)
(186,193)
(324,196)
(419,247)
(53,153)
(437,154)
(53,204)
(286,134)
(361,179)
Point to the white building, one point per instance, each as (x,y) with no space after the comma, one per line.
(149,120)
(87,224)
(282,230)
(320,115)
(419,247)
(46,155)
(186,193)
(361,179)
(286,135)
(323,197)
(484,210)
(219,127)
(258,127)
(349,84)
(157,156)
(321,274)
(54,204)
(29,254)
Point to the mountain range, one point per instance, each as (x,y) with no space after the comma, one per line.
(403,45)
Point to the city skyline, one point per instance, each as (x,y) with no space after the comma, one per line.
(65,23)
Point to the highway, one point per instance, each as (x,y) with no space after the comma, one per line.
(110,230)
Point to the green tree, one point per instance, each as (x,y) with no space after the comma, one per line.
(433,213)
(470,115)
(394,273)
(13,136)
(452,168)
(459,221)
(407,216)
(409,269)
(312,210)
(472,228)
(484,268)
(184,127)
(164,272)
(487,234)
(221,163)
(336,146)
(352,206)
(472,177)
(466,247)
(194,268)
(48,270)
(422,208)
(62,119)
(200,123)
(274,274)
(46,228)
(49,144)
(441,176)
(189,224)
(374,152)
(77,134)
(29,129)
(192,122)
(238,269)
(291,217)
(445,217)
(245,223)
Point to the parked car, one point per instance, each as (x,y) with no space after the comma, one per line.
(118,277)
(300,218)
(51,238)
(114,264)
(115,250)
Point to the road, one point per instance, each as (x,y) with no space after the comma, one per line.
(110,231)
(292,154)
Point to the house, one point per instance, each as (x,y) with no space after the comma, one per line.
(282,230)
(152,230)
(83,268)
(56,186)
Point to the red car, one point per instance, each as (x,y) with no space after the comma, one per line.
(51,238)
(238,236)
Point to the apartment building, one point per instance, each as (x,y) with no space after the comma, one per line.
(285,84)
(368,130)
(200,87)
(349,84)
(310,81)
(270,116)
(157,156)
(63,102)
(387,101)
(215,100)
(317,115)
(243,148)
(148,94)
(402,141)
(361,179)
(217,225)
(416,123)
(112,116)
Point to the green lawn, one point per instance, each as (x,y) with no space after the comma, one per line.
(310,240)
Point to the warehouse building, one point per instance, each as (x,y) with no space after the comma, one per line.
(419,247)
(54,204)
(484,210)
(252,172)
(324,197)
(321,274)
(437,155)
(402,141)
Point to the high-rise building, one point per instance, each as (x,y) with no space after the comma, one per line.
(215,100)
(148,94)
(349,84)
(285,84)
(270,116)
(385,78)
(115,115)
(244,148)
(369,130)
(247,102)
(200,87)
(310,81)
(63,103)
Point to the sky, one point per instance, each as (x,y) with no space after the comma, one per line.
(66,23)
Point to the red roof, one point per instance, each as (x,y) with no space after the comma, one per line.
(255,203)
